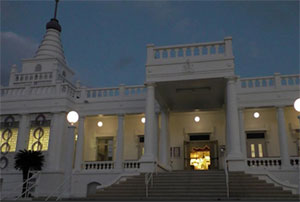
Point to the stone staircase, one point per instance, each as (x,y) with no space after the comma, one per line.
(194,185)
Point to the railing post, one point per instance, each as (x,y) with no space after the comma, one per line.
(150,53)
(228,46)
(12,75)
(122,90)
(277,80)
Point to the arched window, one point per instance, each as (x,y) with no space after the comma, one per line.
(38,68)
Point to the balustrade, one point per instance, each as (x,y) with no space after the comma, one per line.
(131,165)
(23,77)
(295,162)
(115,92)
(189,50)
(269,82)
(272,163)
(98,165)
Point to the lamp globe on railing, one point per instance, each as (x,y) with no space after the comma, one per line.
(72,117)
(297,105)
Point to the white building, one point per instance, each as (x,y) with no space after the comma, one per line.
(191,113)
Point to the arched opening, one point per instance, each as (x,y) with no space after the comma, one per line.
(92,188)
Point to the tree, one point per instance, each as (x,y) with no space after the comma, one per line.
(27,160)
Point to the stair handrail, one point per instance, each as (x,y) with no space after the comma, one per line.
(21,185)
(29,187)
(226,176)
(148,179)
(58,197)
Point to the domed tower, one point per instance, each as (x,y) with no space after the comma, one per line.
(48,66)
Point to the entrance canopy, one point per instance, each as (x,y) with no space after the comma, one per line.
(191,94)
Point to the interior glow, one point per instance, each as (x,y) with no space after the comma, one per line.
(72,117)
(200,160)
(197,119)
(143,120)
(297,105)
(256,115)
(100,124)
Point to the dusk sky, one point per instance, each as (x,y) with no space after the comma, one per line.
(105,41)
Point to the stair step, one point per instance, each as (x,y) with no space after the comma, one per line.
(194,186)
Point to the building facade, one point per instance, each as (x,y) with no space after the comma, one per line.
(192,113)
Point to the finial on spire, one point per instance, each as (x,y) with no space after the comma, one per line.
(55,11)
(54,24)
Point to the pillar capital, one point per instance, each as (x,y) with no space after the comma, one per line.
(241,109)
(150,84)
(120,115)
(280,107)
(231,79)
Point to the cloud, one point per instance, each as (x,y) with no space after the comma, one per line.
(14,47)
(124,62)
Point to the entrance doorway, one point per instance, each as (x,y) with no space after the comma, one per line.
(200,158)
(201,155)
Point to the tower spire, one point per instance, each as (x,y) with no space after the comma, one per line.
(55,11)
(51,46)
(53,23)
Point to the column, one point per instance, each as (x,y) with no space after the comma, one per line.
(164,140)
(23,132)
(149,125)
(56,139)
(120,140)
(79,144)
(284,152)
(155,137)
(69,161)
(234,154)
(242,133)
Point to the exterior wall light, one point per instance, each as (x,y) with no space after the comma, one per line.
(100,124)
(197,119)
(256,115)
(72,117)
(297,105)
(143,120)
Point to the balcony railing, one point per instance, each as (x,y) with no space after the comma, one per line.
(271,163)
(27,77)
(131,165)
(276,82)
(196,50)
(99,165)
(109,165)
(96,93)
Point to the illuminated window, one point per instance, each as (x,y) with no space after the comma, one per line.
(260,150)
(8,139)
(104,148)
(252,150)
(39,138)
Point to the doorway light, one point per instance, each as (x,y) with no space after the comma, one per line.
(197,119)
(256,115)
(100,124)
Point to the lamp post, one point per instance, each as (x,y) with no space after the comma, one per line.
(297,108)
(72,118)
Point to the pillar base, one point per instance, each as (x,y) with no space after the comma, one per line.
(236,164)
(147,164)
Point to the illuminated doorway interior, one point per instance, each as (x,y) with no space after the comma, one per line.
(200,158)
